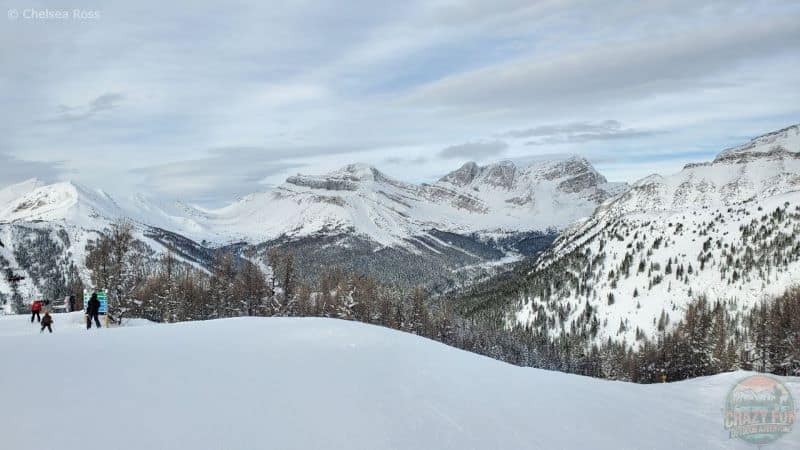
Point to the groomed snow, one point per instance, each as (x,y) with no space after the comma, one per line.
(323,384)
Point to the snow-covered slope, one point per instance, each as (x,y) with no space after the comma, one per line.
(322,383)
(728,229)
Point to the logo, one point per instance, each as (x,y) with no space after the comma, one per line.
(759,410)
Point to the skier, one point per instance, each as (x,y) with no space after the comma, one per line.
(47,322)
(92,311)
(36,308)
(72,303)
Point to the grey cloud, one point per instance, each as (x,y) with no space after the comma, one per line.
(587,137)
(469,12)
(105,102)
(14,170)
(289,152)
(579,132)
(607,126)
(231,171)
(614,73)
(474,150)
(214,180)
(397,160)
(306,82)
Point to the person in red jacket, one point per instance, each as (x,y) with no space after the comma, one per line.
(36,308)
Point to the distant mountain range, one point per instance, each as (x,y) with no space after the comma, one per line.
(626,261)
(359,199)
(468,223)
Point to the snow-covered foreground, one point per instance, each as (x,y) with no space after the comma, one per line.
(323,384)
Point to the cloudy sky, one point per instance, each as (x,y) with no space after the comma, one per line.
(205,102)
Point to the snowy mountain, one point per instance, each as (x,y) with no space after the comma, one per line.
(471,221)
(443,234)
(60,202)
(728,230)
(358,218)
(765,166)
(46,228)
(498,198)
(294,383)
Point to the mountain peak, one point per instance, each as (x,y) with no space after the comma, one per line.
(576,172)
(651,179)
(462,176)
(572,164)
(64,200)
(348,178)
(358,172)
(578,160)
(501,174)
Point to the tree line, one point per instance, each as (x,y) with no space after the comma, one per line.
(710,338)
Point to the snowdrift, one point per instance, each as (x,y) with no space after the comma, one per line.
(255,383)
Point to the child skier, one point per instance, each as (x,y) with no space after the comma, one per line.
(47,322)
